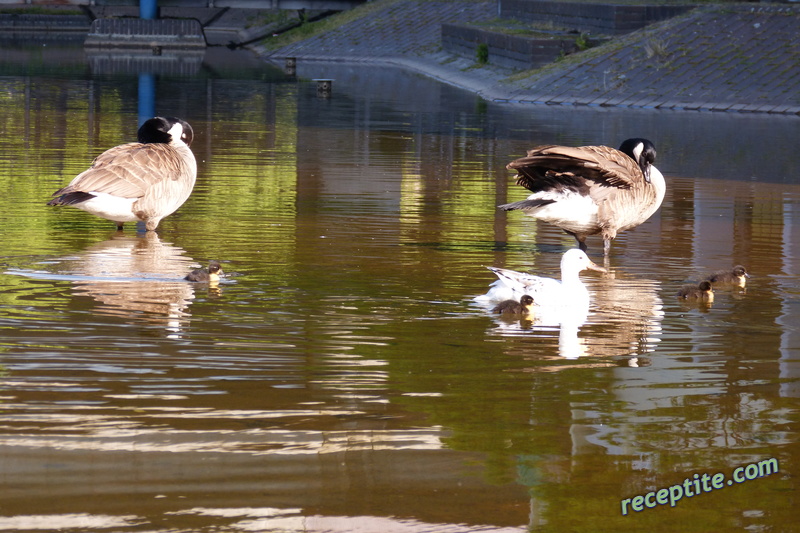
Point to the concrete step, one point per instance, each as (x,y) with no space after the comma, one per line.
(17,23)
(605,18)
(531,49)
(156,34)
(534,33)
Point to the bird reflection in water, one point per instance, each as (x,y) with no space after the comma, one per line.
(623,320)
(137,277)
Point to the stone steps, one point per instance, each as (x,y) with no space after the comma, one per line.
(608,19)
(135,33)
(512,50)
(571,27)
(14,23)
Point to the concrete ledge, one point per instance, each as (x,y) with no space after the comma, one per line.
(509,51)
(611,19)
(177,63)
(138,33)
(44,23)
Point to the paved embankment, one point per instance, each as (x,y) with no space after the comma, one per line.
(730,57)
(740,57)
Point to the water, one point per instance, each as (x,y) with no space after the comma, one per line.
(341,378)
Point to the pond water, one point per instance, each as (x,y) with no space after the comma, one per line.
(341,378)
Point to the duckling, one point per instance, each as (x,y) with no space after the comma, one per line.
(143,181)
(700,292)
(590,190)
(211,274)
(736,277)
(513,307)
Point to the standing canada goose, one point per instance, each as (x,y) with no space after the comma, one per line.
(590,190)
(701,292)
(546,292)
(142,181)
(514,307)
(736,277)
(212,274)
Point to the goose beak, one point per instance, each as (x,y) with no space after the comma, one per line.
(646,172)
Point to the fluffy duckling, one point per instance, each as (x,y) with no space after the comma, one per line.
(143,181)
(211,274)
(701,292)
(736,277)
(513,307)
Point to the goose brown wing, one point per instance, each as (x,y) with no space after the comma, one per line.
(548,167)
(127,170)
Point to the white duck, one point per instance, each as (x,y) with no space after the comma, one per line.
(546,292)
(590,190)
(143,181)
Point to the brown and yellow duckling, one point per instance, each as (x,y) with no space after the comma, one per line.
(736,277)
(513,307)
(702,292)
(209,275)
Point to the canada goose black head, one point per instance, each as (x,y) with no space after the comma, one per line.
(590,190)
(143,181)
(642,151)
(165,130)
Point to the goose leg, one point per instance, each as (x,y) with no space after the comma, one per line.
(578,239)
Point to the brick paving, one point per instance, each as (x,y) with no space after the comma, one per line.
(740,57)
(406,28)
(731,57)
(711,59)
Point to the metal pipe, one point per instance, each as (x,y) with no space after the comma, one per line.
(148,9)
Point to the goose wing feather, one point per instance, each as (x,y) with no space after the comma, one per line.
(553,167)
(127,170)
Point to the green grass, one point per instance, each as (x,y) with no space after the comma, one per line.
(310,29)
(278,16)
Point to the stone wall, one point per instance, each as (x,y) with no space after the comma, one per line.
(609,19)
(511,51)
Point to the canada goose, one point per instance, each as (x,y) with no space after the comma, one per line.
(737,277)
(142,181)
(201,274)
(514,307)
(590,190)
(700,292)
(546,292)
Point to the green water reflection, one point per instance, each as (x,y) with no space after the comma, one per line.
(342,370)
